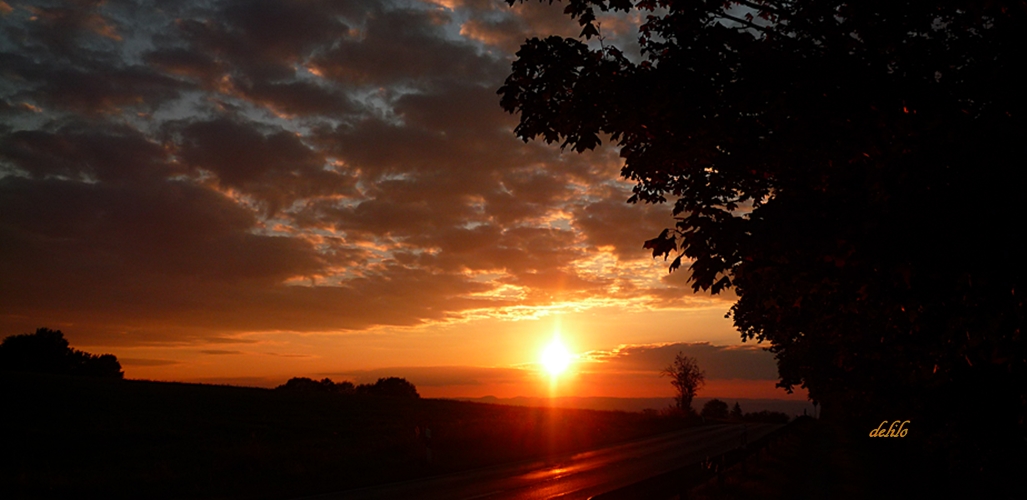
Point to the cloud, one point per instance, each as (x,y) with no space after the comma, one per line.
(505,27)
(275,166)
(265,39)
(146,362)
(403,46)
(83,150)
(199,172)
(745,362)
(611,221)
(69,28)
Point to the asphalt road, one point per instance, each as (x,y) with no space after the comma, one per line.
(580,475)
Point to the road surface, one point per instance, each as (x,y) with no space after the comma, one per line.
(577,476)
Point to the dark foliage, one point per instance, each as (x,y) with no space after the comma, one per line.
(305,384)
(390,387)
(767,417)
(46,351)
(853,169)
(714,408)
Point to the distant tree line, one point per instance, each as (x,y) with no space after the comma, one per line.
(390,386)
(46,351)
(717,409)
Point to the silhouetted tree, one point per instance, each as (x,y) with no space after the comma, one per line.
(687,378)
(714,408)
(391,386)
(46,351)
(853,169)
(736,412)
(305,384)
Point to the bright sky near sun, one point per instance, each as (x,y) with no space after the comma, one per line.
(555,358)
(247,191)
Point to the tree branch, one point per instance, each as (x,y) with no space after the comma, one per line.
(746,23)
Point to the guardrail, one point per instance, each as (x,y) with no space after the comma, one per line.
(681,480)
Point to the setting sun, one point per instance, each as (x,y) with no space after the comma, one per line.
(556,358)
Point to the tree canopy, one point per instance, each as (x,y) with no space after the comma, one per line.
(714,408)
(306,384)
(386,386)
(47,351)
(390,386)
(853,170)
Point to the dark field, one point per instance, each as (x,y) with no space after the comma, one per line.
(77,437)
(818,460)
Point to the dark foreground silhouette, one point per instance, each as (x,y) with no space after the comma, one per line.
(81,437)
(852,171)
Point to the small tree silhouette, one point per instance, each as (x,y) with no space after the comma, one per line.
(687,378)
(736,412)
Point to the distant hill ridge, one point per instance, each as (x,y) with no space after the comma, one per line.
(788,407)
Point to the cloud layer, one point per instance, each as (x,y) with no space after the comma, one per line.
(192,171)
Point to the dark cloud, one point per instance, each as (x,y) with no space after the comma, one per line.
(146,362)
(274,166)
(91,88)
(176,253)
(185,62)
(506,28)
(299,98)
(10,109)
(455,107)
(61,229)
(746,362)
(124,253)
(102,89)
(288,355)
(266,39)
(67,29)
(84,150)
(611,221)
(405,46)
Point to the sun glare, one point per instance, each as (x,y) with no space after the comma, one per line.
(556,358)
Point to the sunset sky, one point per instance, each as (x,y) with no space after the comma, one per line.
(246,191)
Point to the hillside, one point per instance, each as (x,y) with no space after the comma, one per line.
(77,437)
